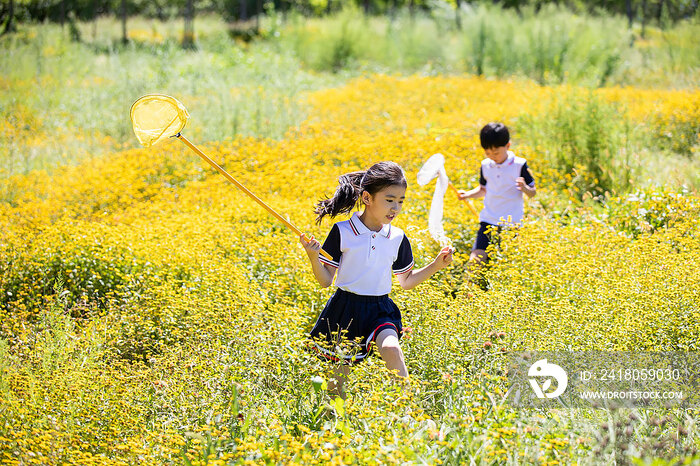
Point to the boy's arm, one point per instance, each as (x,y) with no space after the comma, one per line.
(476,193)
(526,182)
(530,191)
(324,273)
(413,278)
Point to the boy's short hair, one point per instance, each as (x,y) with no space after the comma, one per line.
(494,135)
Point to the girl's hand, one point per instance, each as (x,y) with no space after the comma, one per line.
(444,257)
(311,245)
(462,194)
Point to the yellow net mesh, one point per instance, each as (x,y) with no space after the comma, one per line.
(156,117)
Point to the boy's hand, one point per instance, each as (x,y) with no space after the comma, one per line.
(522,187)
(444,257)
(311,245)
(462,194)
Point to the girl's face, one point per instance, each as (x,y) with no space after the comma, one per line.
(384,205)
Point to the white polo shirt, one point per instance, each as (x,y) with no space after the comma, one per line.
(364,258)
(503,198)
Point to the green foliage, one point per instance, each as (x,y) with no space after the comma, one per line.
(549,45)
(586,140)
(680,133)
(87,87)
(648,211)
(150,314)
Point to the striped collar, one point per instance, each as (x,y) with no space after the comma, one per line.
(359,228)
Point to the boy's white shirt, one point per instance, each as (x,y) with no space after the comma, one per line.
(503,198)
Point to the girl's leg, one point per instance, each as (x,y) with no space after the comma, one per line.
(388,344)
(337,380)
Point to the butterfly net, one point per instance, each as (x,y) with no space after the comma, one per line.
(156,117)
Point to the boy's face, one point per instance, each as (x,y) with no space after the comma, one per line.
(498,154)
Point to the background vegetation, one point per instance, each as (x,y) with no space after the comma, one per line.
(150,313)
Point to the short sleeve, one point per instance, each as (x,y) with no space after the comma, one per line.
(482,180)
(527,176)
(332,246)
(404,259)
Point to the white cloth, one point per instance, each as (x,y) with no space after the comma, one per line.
(436,210)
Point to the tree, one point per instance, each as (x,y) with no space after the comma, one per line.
(188,36)
(630,15)
(458,14)
(10,22)
(125,37)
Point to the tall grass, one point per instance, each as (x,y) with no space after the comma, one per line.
(64,100)
(587,140)
(549,45)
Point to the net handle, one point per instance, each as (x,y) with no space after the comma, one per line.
(469,202)
(284,221)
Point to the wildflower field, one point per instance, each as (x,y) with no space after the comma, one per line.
(150,313)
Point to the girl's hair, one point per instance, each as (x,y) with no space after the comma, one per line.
(351,185)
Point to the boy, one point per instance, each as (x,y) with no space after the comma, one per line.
(502,181)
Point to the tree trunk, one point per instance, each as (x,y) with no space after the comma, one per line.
(125,37)
(242,11)
(94,20)
(258,12)
(63,13)
(629,13)
(644,18)
(10,24)
(458,14)
(366,7)
(188,36)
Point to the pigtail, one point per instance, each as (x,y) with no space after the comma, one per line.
(345,197)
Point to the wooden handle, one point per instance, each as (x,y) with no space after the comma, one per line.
(469,202)
(284,221)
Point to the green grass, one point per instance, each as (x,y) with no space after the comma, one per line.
(202,346)
(66,101)
(53,85)
(550,46)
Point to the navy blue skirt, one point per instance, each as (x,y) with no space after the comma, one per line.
(350,323)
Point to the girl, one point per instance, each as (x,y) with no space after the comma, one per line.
(365,250)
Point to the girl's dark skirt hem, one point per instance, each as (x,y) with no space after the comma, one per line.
(349,324)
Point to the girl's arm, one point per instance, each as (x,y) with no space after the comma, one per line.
(413,278)
(324,273)
(476,193)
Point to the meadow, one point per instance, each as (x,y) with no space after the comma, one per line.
(150,313)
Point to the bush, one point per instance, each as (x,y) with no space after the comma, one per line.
(586,139)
